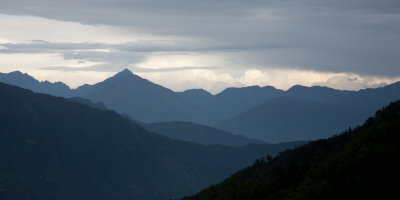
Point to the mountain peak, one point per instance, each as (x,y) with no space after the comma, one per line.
(125,72)
(16,77)
(19,73)
(16,72)
(197,92)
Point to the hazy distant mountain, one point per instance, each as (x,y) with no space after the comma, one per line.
(191,132)
(359,164)
(25,81)
(289,119)
(231,101)
(125,93)
(310,113)
(318,93)
(141,99)
(54,148)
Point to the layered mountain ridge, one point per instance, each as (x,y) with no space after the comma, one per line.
(55,148)
(255,112)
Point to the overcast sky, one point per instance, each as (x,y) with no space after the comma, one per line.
(181,44)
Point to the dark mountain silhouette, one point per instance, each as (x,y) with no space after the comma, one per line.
(54,148)
(25,81)
(191,132)
(141,99)
(359,164)
(308,113)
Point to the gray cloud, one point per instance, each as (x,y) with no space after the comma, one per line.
(360,36)
(117,56)
(133,68)
(40,46)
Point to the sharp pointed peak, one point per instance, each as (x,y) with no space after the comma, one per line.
(126,74)
(126,71)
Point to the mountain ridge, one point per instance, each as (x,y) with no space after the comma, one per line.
(145,101)
(308,112)
(55,148)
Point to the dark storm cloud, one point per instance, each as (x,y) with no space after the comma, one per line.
(360,36)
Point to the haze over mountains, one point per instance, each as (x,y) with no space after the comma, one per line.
(55,148)
(310,113)
(265,113)
(229,100)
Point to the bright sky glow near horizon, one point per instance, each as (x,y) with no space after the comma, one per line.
(179,44)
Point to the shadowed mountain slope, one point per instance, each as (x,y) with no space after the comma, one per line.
(54,148)
(98,105)
(191,132)
(141,99)
(358,164)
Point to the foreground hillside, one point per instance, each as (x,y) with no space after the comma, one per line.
(54,148)
(359,164)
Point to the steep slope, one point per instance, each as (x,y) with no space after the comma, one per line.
(54,148)
(141,99)
(308,113)
(359,164)
(191,132)
(25,81)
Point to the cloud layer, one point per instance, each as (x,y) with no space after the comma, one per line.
(354,37)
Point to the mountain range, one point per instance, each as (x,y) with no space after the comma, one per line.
(308,113)
(56,148)
(264,113)
(87,146)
